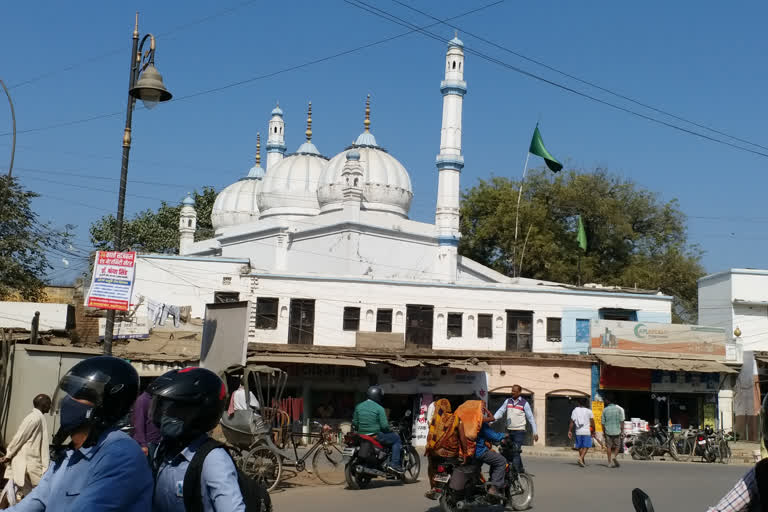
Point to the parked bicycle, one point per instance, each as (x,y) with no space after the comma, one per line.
(657,442)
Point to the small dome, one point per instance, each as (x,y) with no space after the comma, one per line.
(277,111)
(366,139)
(188,201)
(290,187)
(256,172)
(353,155)
(386,184)
(456,42)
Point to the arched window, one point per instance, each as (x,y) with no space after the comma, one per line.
(355,181)
(454,64)
(459,66)
(189,223)
(275,129)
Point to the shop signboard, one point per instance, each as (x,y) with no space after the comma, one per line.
(112,283)
(597,412)
(644,338)
(663,381)
(438,381)
(421,427)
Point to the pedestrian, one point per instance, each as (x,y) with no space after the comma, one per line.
(239,401)
(28,451)
(186,405)
(613,429)
(144,430)
(102,468)
(518,414)
(583,422)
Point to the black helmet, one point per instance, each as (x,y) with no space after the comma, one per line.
(375,393)
(108,385)
(194,396)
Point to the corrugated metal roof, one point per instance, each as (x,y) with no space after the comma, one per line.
(662,363)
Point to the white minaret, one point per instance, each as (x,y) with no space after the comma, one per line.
(450,161)
(276,139)
(187,225)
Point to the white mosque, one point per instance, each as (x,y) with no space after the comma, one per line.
(324,249)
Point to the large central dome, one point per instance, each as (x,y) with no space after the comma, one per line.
(236,204)
(386,184)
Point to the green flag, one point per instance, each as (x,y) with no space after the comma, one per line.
(537,148)
(581,236)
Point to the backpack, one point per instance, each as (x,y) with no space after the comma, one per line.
(761,478)
(255,495)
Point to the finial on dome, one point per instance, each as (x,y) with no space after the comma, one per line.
(309,123)
(367,122)
(258,149)
(277,111)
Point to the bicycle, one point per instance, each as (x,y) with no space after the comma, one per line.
(721,445)
(264,461)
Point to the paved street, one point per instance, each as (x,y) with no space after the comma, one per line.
(559,484)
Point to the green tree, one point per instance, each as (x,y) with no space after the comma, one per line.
(24,243)
(155,231)
(633,239)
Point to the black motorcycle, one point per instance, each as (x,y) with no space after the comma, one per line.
(459,486)
(641,501)
(365,458)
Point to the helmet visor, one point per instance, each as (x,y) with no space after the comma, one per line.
(88,389)
(165,407)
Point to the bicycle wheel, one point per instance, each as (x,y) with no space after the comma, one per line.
(328,464)
(672,449)
(725,452)
(263,465)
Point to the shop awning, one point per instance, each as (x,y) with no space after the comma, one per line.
(662,363)
(306,359)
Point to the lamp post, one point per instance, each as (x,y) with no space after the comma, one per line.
(144,83)
(13,118)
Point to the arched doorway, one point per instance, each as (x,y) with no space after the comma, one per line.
(559,405)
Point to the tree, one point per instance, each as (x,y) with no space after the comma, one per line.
(155,231)
(633,239)
(24,242)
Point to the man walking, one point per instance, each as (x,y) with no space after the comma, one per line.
(28,450)
(518,412)
(583,422)
(613,429)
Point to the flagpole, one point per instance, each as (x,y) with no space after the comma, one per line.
(578,268)
(517,210)
(522,255)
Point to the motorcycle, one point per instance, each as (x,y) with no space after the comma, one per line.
(641,501)
(365,458)
(705,446)
(459,486)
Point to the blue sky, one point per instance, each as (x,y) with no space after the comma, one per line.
(699,60)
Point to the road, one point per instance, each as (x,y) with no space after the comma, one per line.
(559,485)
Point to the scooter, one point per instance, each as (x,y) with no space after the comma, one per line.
(641,501)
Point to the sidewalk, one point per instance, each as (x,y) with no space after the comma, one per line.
(742,453)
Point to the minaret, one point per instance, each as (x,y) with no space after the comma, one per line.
(276,139)
(450,161)
(187,225)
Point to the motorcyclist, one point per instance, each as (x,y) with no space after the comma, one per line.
(186,405)
(102,468)
(484,455)
(370,418)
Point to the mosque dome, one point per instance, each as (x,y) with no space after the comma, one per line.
(386,184)
(237,203)
(290,187)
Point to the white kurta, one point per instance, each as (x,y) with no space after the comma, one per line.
(240,404)
(28,450)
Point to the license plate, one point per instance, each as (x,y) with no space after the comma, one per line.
(702,442)
(442,478)
(348,452)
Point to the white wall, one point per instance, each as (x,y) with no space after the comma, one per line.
(715,302)
(18,315)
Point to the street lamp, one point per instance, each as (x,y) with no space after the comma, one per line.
(13,118)
(146,84)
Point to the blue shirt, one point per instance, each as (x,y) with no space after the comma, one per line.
(486,434)
(112,475)
(220,490)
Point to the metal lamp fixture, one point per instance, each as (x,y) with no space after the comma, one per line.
(146,84)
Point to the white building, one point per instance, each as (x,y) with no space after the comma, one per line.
(324,248)
(737,301)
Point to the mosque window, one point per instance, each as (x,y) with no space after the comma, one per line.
(454,325)
(275,129)
(351,319)
(221,297)
(485,326)
(384,320)
(554,329)
(266,312)
(189,223)
(454,64)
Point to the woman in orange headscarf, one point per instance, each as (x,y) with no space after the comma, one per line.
(443,438)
